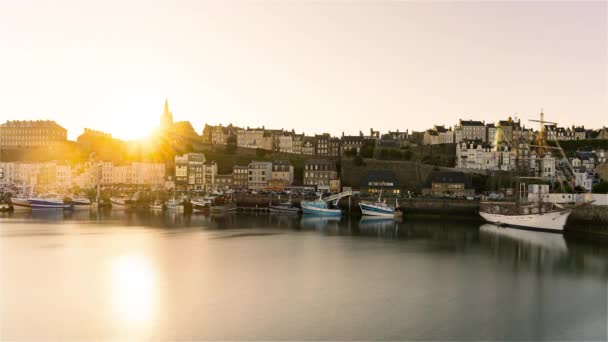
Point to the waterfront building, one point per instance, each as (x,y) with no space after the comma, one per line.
(240,179)
(209,175)
(319,172)
(31,134)
(189,171)
(259,173)
(224,182)
(7,173)
(470,130)
(376,181)
(447,183)
(282,171)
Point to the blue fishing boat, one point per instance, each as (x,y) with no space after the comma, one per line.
(48,203)
(319,207)
(378,208)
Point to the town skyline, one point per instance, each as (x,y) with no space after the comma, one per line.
(346,66)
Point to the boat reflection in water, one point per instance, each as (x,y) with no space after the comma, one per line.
(377,225)
(553,242)
(315,222)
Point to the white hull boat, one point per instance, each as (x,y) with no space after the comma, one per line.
(552,221)
(379,209)
(118,203)
(20,204)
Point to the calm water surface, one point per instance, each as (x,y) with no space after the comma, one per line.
(245,277)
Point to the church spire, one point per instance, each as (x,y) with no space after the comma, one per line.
(166,119)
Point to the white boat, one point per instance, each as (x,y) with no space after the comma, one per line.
(20,203)
(174,205)
(200,205)
(156,206)
(377,208)
(284,208)
(118,203)
(554,220)
(80,203)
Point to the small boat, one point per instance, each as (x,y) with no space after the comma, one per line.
(284,208)
(377,208)
(174,205)
(223,208)
(81,203)
(319,207)
(156,206)
(199,205)
(118,203)
(48,203)
(20,203)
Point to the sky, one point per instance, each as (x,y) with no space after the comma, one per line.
(330,66)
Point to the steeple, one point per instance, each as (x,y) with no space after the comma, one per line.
(166,119)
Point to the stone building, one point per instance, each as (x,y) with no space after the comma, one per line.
(259,173)
(282,171)
(240,179)
(319,172)
(31,134)
(470,130)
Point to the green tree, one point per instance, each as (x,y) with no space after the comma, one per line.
(601,188)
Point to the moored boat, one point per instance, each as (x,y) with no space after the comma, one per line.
(81,203)
(284,208)
(378,208)
(48,203)
(20,203)
(551,221)
(174,205)
(319,207)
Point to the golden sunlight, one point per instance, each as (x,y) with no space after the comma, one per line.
(135,289)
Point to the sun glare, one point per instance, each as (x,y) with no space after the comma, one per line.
(134,292)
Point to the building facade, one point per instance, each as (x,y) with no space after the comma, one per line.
(319,172)
(31,134)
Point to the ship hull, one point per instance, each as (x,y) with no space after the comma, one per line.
(20,204)
(277,209)
(369,209)
(315,210)
(48,204)
(551,221)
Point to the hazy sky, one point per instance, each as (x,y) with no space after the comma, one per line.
(313,66)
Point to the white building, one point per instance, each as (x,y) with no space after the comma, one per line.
(481,156)
(259,173)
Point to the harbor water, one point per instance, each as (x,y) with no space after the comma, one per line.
(119,275)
